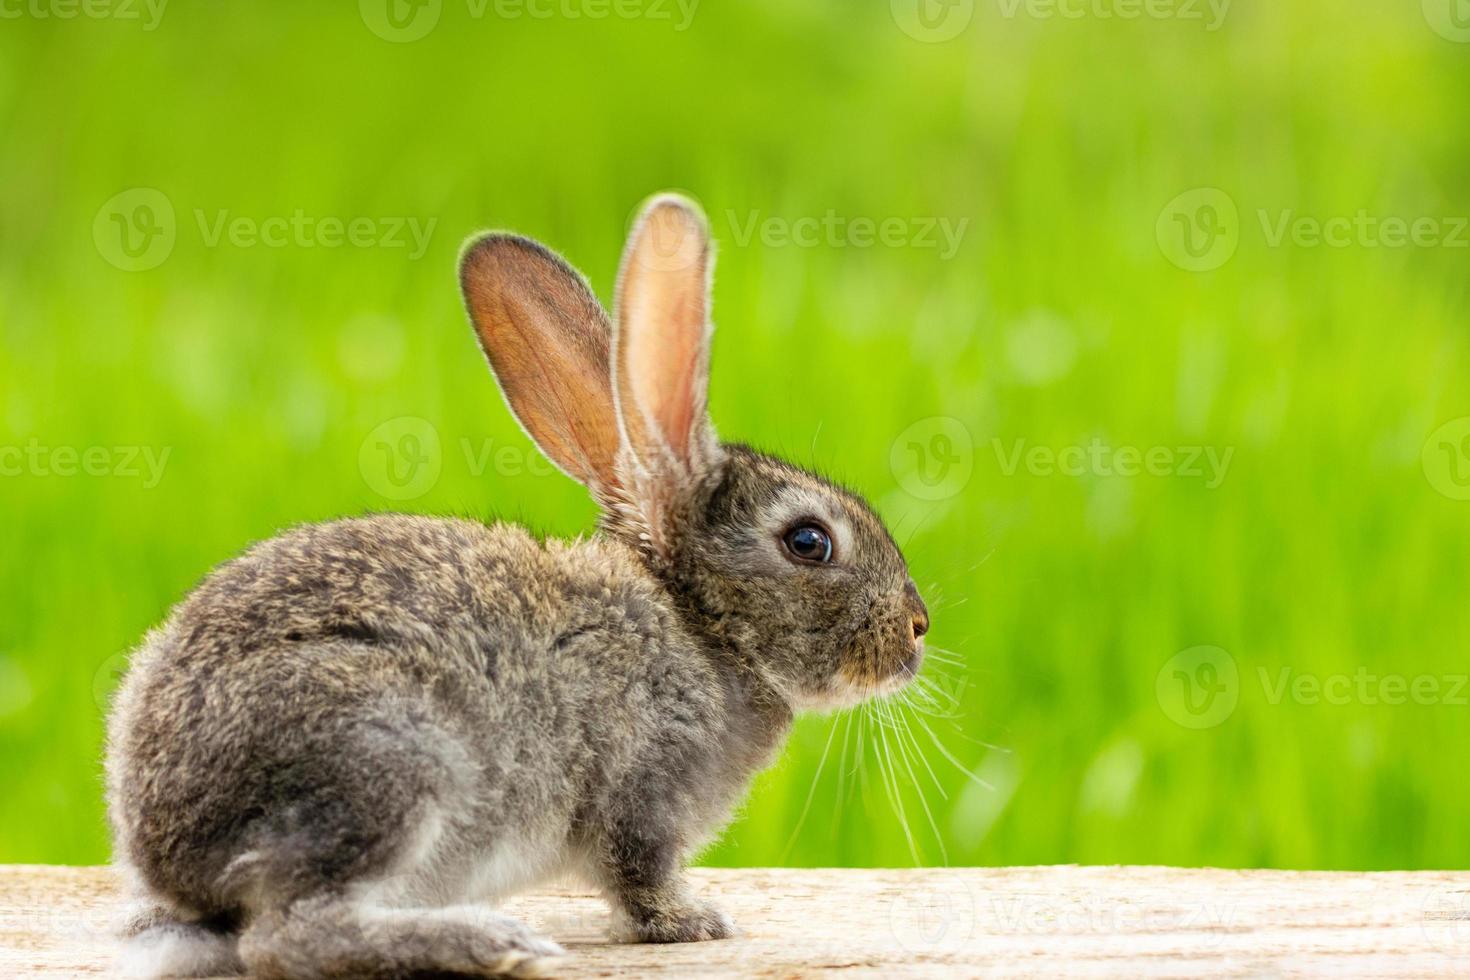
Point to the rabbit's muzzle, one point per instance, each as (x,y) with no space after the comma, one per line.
(887,651)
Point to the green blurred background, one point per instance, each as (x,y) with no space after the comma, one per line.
(1115,279)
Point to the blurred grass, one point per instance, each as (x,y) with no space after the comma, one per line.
(1059,320)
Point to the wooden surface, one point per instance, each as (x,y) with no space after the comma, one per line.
(1064,921)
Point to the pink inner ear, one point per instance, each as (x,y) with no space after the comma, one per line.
(664,323)
(547,340)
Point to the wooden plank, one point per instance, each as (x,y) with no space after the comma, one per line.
(1059,921)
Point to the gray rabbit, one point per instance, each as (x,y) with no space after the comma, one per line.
(349,742)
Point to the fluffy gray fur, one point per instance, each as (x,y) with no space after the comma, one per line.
(346,744)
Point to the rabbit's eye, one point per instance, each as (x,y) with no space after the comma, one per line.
(809,543)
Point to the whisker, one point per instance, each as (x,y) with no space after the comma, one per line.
(924,759)
(980,742)
(950,567)
(942,656)
(944,750)
(899,736)
(898,528)
(894,795)
(939,655)
(930,684)
(923,517)
(811,793)
(918,697)
(859,771)
(842,771)
(939,690)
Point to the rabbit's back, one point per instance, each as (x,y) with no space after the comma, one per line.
(382,580)
(340,692)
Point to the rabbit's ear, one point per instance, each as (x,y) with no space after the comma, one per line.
(548,342)
(661,356)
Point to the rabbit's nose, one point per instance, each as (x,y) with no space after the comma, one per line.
(919,621)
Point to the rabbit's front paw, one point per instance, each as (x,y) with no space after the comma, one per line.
(693,922)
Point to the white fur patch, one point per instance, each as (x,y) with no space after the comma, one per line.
(437,869)
(508,868)
(178,950)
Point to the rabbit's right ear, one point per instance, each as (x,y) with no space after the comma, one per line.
(548,342)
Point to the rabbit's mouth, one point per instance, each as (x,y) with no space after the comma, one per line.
(871,685)
(909,669)
(879,658)
(904,674)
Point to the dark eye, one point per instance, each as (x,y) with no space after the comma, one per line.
(809,543)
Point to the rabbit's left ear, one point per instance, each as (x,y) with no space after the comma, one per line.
(661,345)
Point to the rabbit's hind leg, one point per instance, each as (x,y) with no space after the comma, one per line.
(348,877)
(387,922)
(331,936)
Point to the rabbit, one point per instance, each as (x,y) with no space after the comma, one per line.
(348,743)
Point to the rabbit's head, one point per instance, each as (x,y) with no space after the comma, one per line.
(799,577)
